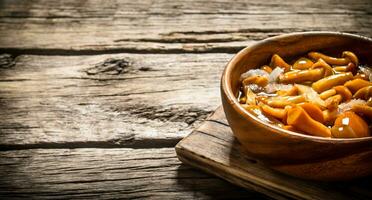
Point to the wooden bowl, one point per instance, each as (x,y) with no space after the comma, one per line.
(293,153)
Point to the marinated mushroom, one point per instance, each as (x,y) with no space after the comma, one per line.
(277,61)
(363,93)
(300,76)
(331,81)
(267,68)
(281,102)
(321,64)
(301,120)
(303,63)
(313,110)
(350,125)
(347,57)
(351,67)
(364,110)
(279,113)
(356,84)
(318,95)
(344,92)
(258,80)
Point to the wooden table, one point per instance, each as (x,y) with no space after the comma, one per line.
(95,94)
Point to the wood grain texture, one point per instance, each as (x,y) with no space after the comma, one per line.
(140,99)
(106,174)
(130,100)
(97,26)
(213,148)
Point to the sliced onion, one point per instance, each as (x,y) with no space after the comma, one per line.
(255,88)
(274,75)
(367,71)
(310,94)
(273,87)
(349,105)
(254,72)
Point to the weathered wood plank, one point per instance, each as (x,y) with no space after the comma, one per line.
(213,148)
(131,100)
(89,27)
(107,173)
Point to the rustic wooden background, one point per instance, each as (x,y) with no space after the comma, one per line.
(95,94)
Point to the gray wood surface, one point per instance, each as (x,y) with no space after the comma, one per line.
(89,27)
(106,100)
(128,79)
(107,174)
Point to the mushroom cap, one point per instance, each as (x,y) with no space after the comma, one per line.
(351,56)
(322,64)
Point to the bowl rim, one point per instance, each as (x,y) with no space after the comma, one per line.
(232,100)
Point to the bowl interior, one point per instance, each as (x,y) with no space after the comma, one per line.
(292,46)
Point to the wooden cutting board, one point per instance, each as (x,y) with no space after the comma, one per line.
(213,148)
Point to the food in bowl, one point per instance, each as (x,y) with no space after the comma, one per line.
(316,94)
(297,154)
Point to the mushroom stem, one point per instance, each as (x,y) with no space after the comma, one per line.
(344,92)
(330,60)
(267,68)
(281,102)
(331,81)
(363,93)
(333,101)
(363,110)
(348,68)
(356,84)
(277,61)
(300,76)
(328,93)
(323,65)
(347,57)
(275,112)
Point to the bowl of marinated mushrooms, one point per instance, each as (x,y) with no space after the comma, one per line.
(301,103)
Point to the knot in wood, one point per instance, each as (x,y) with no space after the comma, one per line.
(172,114)
(7,61)
(111,66)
